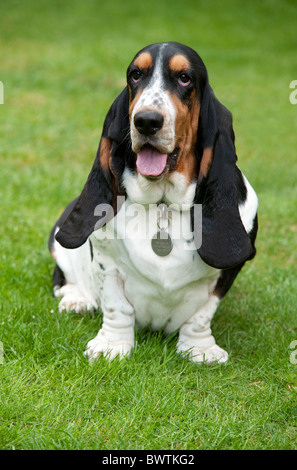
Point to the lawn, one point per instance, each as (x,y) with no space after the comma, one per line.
(62,63)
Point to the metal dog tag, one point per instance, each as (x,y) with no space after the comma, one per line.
(162,243)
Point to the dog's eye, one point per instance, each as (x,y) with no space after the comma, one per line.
(136,75)
(184,79)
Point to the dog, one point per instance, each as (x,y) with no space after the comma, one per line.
(166,219)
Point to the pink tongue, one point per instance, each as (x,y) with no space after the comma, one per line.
(150,162)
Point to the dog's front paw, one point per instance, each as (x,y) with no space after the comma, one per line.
(110,348)
(78,305)
(203,356)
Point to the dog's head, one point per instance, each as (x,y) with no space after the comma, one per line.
(165,83)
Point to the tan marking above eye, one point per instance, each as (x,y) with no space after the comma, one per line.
(144,61)
(179,63)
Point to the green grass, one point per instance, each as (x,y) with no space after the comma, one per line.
(62,64)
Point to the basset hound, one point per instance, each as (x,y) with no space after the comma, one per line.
(166,219)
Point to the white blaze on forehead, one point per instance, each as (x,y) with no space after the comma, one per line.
(155,90)
(155,96)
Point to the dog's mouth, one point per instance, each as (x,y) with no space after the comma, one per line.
(153,164)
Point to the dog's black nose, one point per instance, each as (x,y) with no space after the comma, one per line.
(148,122)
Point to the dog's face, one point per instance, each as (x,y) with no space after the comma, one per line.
(164,82)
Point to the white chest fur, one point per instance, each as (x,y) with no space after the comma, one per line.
(164,290)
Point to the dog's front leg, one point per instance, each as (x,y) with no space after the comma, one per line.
(195,337)
(116,337)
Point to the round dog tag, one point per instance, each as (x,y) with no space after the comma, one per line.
(162,243)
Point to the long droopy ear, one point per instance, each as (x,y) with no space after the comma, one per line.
(225,242)
(102,186)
